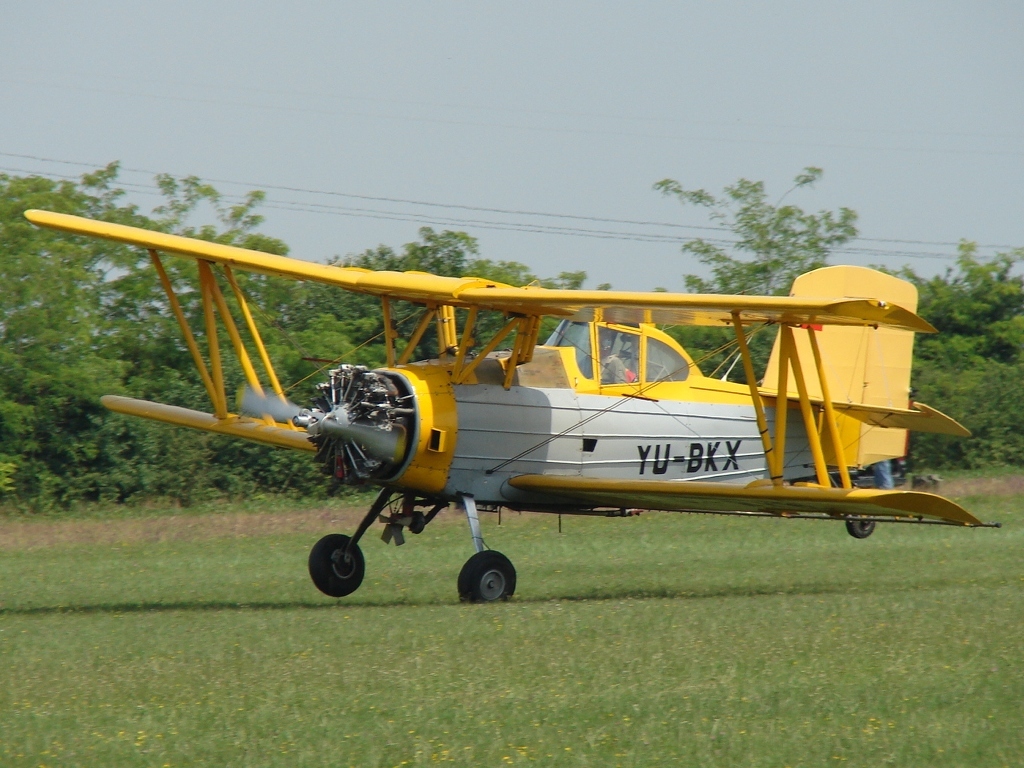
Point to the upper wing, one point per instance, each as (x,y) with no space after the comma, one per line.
(415,286)
(695,308)
(698,496)
(613,306)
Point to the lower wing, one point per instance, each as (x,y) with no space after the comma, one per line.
(237,426)
(757,498)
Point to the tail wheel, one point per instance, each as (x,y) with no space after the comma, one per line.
(487,576)
(333,572)
(860,529)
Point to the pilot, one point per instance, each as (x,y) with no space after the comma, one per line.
(628,356)
(613,369)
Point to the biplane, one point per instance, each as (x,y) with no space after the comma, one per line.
(607,416)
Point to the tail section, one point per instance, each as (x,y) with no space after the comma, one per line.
(864,366)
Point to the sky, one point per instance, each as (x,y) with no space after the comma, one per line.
(538,127)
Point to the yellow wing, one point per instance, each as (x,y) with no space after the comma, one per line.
(235,426)
(757,497)
(613,306)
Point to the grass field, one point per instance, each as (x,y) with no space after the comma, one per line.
(666,639)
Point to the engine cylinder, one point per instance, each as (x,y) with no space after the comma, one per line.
(389,425)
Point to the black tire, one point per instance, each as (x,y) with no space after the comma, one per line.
(487,576)
(419,522)
(331,574)
(860,529)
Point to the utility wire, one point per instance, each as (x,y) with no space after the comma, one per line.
(528,227)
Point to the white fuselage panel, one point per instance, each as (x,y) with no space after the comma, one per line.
(533,431)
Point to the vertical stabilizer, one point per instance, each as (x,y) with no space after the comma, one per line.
(869,366)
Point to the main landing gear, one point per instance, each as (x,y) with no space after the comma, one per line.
(336,563)
(488,575)
(337,567)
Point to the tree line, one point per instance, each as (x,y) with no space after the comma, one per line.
(80,318)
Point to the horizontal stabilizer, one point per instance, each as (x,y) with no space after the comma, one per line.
(920,418)
(758,497)
(235,426)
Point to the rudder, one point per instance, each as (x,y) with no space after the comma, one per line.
(864,365)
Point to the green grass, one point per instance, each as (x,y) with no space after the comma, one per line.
(666,639)
(256,504)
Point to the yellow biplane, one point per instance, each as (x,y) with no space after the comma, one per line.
(609,415)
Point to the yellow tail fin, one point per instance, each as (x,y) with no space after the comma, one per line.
(864,366)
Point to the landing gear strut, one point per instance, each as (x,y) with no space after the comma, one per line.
(336,563)
(337,567)
(488,575)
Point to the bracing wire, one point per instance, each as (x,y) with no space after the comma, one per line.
(626,398)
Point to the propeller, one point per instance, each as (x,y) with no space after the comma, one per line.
(385,444)
(253,403)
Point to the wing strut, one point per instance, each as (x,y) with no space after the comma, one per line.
(755,393)
(214,304)
(464,346)
(810,424)
(463,374)
(830,412)
(190,340)
(449,342)
(755,396)
(254,332)
(421,328)
(522,349)
(220,405)
(775,451)
(447,335)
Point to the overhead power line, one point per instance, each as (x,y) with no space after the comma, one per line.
(715,137)
(675,235)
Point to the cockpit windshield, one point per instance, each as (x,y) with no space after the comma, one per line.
(576,335)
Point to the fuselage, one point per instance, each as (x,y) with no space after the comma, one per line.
(564,414)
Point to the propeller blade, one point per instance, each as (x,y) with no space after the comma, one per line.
(252,403)
(387,445)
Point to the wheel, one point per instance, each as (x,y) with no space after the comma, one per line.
(860,529)
(331,572)
(419,522)
(487,576)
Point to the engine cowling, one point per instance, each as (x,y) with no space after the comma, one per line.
(388,425)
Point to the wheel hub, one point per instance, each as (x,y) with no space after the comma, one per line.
(492,585)
(342,565)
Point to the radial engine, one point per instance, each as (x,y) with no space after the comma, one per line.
(362,422)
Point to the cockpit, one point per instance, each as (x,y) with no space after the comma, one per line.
(609,355)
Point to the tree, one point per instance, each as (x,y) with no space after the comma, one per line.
(53,319)
(972,368)
(977,307)
(779,242)
(82,317)
(783,241)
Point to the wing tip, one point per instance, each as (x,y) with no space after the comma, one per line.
(911,321)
